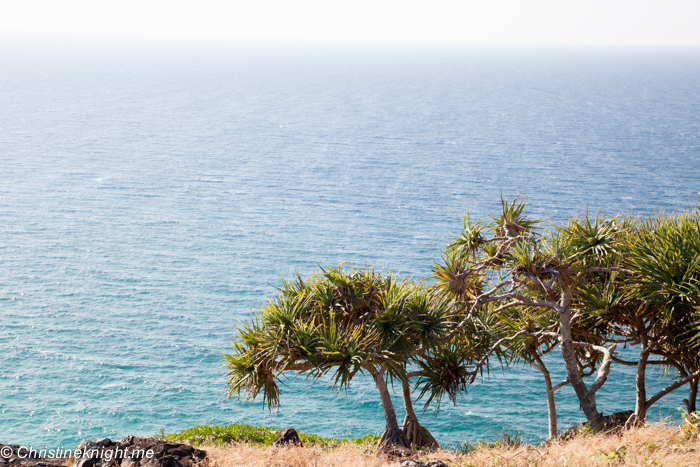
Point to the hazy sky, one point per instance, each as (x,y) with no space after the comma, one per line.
(550,22)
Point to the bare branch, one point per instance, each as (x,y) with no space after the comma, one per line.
(623,362)
(671,387)
(507,241)
(535,302)
(294,366)
(599,348)
(603,371)
(503,239)
(478,301)
(561,385)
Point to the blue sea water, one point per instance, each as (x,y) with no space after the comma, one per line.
(152,196)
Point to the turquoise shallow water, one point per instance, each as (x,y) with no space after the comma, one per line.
(150,198)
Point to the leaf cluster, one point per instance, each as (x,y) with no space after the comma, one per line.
(338,322)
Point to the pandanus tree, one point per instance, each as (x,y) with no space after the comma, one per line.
(504,289)
(531,348)
(650,302)
(342,323)
(508,264)
(662,296)
(444,370)
(665,256)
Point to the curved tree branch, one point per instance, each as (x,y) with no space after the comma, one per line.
(603,371)
(561,385)
(671,387)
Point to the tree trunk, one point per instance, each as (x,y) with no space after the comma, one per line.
(393,436)
(586,399)
(640,407)
(690,402)
(637,419)
(551,407)
(417,436)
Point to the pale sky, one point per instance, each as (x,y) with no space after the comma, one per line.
(492,22)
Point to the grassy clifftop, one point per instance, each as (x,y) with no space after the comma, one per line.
(221,435)
(652,445)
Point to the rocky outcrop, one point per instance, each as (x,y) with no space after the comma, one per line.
(286,437)
(408,462)
(613,422)
(136,451)
(393,452)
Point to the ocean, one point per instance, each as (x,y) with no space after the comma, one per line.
(152,196)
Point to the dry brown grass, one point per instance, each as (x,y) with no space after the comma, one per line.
(310,456)
(653,445)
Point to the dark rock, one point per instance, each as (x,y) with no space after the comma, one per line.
(394,452)
(137,451)
(610,423)
(617,419)
(408,462)
(286,437)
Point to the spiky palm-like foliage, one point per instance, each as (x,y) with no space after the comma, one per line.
(664,255)
(338,322)
(529,279)
(503,289)
(512,221)
(595,241)
(634,286)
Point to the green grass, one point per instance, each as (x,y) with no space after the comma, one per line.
(259,435)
